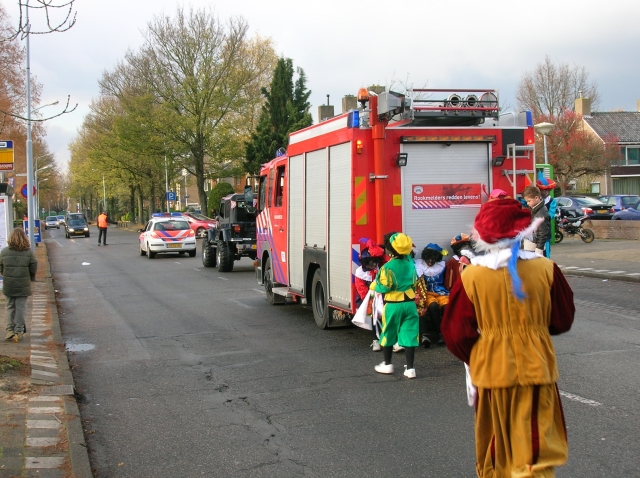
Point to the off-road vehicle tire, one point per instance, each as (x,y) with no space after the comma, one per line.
(208,254)
(224,256)
(587,235)
(559,237)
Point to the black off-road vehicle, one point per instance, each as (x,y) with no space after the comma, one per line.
(235,235)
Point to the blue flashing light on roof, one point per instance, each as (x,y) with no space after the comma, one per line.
(156,214)
(353,120)
(176,214)
(529,118)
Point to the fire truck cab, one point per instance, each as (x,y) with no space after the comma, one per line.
(421,163)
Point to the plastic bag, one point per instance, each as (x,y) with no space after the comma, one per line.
(472,391)
(361,318)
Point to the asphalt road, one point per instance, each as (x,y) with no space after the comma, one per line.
(184,371)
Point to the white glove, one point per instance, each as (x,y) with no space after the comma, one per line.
(540,252)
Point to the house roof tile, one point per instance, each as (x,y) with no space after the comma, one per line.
(624,125)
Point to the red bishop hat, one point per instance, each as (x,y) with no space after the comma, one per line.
(501,220)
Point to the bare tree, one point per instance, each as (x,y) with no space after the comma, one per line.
(8,37)
(551,88)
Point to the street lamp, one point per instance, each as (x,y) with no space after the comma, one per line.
(544,129)
(30,177)
(38,194)
(35,178)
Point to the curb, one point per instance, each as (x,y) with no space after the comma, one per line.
(78,452)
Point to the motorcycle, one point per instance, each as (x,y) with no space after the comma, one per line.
(572,226)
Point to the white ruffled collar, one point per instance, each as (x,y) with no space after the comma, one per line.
(422,269)
(499,259)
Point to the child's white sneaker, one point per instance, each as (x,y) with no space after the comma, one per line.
(409,372)
(375,346)
(397,348)
(384,368)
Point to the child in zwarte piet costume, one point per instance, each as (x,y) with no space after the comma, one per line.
(462,252)
(396,281)
(432,294)
(371,258)
(500,318)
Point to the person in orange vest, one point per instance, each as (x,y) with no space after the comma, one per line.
(103,223)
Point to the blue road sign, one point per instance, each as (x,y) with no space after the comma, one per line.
(36,230)
(171,196)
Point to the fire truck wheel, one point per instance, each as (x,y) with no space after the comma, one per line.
(224,257)
(267,280)
(208,254)
(319,300)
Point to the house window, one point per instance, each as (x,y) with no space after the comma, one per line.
(595,188)
(632,155)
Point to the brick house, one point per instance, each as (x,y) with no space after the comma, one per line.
(624,177)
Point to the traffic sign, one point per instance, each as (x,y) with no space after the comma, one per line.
(171,196)
(6,155)
(24,191)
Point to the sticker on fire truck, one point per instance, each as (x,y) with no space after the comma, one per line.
(283,258)
(445,196)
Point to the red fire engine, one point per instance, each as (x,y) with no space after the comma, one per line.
(421,163)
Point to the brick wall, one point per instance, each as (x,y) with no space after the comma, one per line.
(615,229)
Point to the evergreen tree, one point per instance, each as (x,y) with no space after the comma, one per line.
(286,109)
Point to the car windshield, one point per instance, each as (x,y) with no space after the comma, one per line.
(199,217)
(171,226)
(76,223)
(587,201)
(51,218)
(60,217)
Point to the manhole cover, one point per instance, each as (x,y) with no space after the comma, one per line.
(57,390)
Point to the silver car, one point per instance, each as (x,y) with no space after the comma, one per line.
(50,222)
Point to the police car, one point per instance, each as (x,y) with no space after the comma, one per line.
(167,233)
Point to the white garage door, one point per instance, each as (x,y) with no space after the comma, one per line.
(460,170)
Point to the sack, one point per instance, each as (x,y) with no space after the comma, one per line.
(361,318)
(472,391)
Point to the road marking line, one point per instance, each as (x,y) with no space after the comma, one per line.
(578,398)
(569,267)
(617,272)
(260,290)
(634,274)
(223,278)
(585,269)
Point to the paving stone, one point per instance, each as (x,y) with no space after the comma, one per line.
(44,462)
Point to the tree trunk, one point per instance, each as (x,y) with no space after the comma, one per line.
(132,203)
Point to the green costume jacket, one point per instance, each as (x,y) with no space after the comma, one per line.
(18,269)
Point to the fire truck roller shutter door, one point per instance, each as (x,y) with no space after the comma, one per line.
(316,199)
(340,224)
(439,164)
(296,232)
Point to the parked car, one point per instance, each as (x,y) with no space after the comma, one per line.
(584,205)
(620,202)
(50,222)
(630,213)
(76,226)
(199,223)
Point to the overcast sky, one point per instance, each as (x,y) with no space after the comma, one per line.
(344,45)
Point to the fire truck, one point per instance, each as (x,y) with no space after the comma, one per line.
(422,162)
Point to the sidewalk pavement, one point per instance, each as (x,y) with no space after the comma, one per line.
(41,429)
(610,259)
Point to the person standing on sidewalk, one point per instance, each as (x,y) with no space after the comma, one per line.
(103,223)
(18,266)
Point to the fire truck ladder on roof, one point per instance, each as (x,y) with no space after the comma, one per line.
(512,151)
